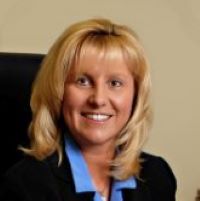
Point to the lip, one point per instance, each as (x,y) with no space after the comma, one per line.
(96,113)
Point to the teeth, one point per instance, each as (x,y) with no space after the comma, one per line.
(97,117)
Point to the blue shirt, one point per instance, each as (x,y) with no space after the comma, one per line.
(82,178)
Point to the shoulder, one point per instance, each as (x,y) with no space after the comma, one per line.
(28,167)
(28,178)
(157,175)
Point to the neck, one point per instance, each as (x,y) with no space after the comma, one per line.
(98,159)
(98,162)
(98,153)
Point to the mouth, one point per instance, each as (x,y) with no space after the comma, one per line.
(96,116)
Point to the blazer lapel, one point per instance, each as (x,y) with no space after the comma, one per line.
(62,171)
(63,178)
(66,188)
(89,196)
(141,193)
(130,195)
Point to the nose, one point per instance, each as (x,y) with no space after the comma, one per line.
(98,96)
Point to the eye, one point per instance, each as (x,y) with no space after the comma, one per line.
(83,81)
(116,83)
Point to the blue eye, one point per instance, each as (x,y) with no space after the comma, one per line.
(83,81)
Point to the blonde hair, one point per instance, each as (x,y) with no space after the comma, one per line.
(47,95)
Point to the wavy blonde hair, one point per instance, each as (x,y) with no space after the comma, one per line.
(48,89)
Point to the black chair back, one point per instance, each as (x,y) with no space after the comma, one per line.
(17,72)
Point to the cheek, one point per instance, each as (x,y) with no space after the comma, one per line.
(66,110)
(68,103)
(72,100)
(125,103)
(67,97)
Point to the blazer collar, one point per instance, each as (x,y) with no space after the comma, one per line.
(141,193)
(130,195)
(61,171)
(63,174)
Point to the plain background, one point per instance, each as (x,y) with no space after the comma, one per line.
(170,32)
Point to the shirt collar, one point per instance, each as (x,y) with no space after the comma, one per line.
(80,172)
(129,183)
(78,166)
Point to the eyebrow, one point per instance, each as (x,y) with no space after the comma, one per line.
(82,73)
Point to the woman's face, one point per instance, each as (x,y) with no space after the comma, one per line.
(98,99)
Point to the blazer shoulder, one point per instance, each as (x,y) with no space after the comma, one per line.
(29,179)
(28,166)
(158,176)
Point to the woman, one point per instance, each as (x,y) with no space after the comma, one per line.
(91,117)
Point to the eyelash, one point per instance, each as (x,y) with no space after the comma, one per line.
(82,81)
(116,83)
(85,81)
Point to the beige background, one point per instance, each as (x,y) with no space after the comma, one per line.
(170,31)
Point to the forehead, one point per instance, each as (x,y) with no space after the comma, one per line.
(109,58)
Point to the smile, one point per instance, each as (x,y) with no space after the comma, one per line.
(97,117)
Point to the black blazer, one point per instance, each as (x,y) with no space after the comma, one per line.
(32,180)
